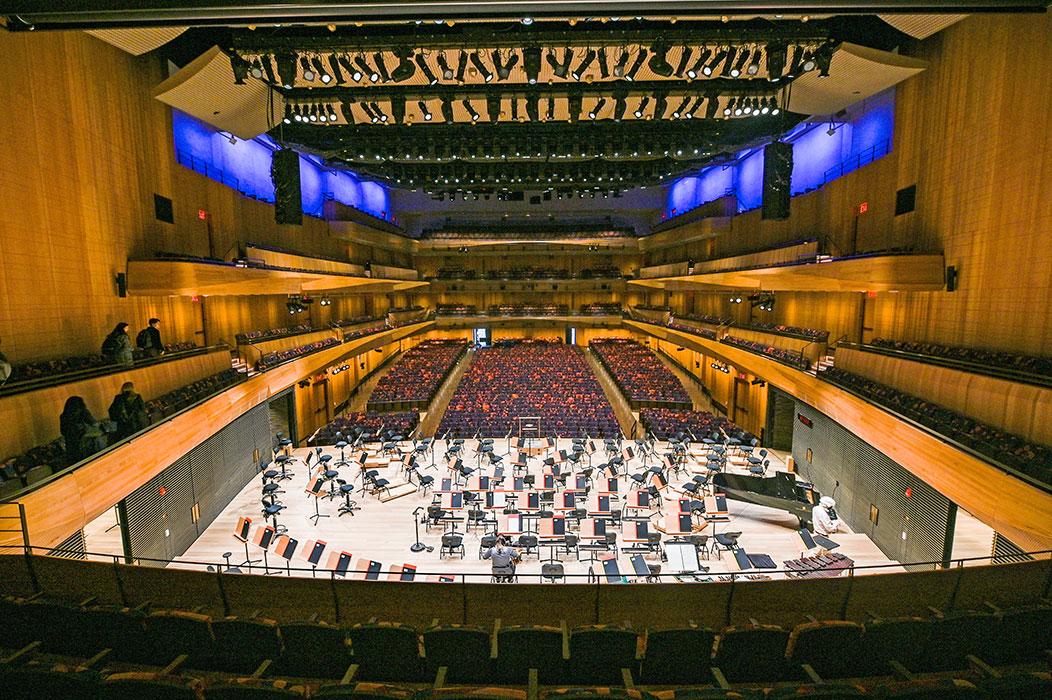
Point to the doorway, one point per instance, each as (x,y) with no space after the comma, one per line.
(481,337)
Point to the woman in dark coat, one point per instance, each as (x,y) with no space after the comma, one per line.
(81,432)
(117,347)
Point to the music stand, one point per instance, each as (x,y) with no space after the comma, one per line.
(316,488)
(285,547)
(263,539)
(312,552)
(339,563)
(244,525)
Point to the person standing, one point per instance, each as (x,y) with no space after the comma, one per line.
(80,431)
(117,347)
(149,338)
(824,516)
(128,411)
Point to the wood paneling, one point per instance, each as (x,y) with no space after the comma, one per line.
(1010,506)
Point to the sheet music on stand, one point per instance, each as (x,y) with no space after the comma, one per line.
(683,561)
(529,427)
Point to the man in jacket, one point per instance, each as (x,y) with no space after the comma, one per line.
(149,338)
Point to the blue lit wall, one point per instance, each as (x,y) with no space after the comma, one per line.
(817,157)
(245,166)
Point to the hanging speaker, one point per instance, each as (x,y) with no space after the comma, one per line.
(285,172)
(777,172)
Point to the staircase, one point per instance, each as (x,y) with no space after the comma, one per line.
(240,365)
(824,362)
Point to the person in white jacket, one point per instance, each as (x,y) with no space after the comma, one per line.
(824,517)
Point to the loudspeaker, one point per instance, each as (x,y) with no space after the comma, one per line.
(951,279)
(285,172)
(777,172)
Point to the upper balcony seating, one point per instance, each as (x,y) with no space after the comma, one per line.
(666,423)
(345,322)
(612,308)
(37,372)
(703,332)
(373,425)
(456,310)
(781,329)
(42,461)
(638,372)
(420,372)
(274,333)
(788,357)
(1015,452)
(706,318)
(272,359)
(994,359)
(544,380)
(528,310)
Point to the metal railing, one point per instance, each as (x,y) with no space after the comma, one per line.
(865,157)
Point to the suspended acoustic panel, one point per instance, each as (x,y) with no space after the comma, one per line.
(205,89)
(137,41)
(856,72)
(921,26)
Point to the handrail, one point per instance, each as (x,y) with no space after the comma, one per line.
(852,570)
(852,163)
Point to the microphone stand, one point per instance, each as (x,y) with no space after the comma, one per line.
(418,546)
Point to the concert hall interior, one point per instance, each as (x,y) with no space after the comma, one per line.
(526,350)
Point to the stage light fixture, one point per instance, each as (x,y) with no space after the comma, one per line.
(255,68)
(379,112)
(620,105)
(739,107)
(462,65)
(699,65)
(443,65)
(637,64)
(550,112)
(774,106)
(366,69)
(660,104)
(658,64)
(471,110)
(476,60)
(574,103)
(746,107)
(693,111)
(589,57)
(381,66)
(533,107)
(421,62)
(604,67)
(622,63)
(531,63)
(809,62)
(307,69)
(824,57)
(797,62)
(504,68)
(333,64)
(712,106)
(560,69)
(290,115)
(332,113)
(684,59)
(754,65)
(678,111)
(739,65)
(493,108)
(312,113)
(728,110)
(642,108)
(406,68)
(319,69)
(348,113)
(447,110)
(398,109)
(728,62)
(598,109)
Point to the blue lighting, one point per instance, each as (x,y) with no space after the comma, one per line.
(818,157)
(245,166)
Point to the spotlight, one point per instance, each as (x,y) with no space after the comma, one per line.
(638,114)
(424,110)
(331,112)
(533,107)
(573,104)
(398,109)
(809,62)
(823,57)
(622,62)
(620,106)
(334,68)
(684,59)
(290,115)
(348,114)
(531,63)
(447,110)
(319,69)
(729,109)
(703,57)
(308,71)
(710,67)
(560,69)
(312,113)
(286,68)
(796,65)
(471,110)
(743,57)
(739,108)
(776,53)
(695,107)
(443,65)
(754,64)
(678,111)
(589,57)
(657,62)
(405,68)
(746,107)
(604,68)
(660,104)
(462,65)
(637,64)
(379,112)
(381,66)
(255,69)
(493,108)
(712,106)
(421,62)
(774,107)
(597,110)
(476,60)
(363,65)
(504,70)
(550,113)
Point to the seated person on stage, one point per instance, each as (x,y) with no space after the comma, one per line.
(503,559)
(826,522)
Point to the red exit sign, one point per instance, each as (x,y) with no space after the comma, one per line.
(863,208)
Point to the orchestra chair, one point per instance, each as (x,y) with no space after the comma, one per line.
(522,647)
(465,651)
(452,543)
(598,653)
(487,541)
(387,651)
(830,647)
(752,653)
(678,656)
(312,649)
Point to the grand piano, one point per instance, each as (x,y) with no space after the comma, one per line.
(780,491)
